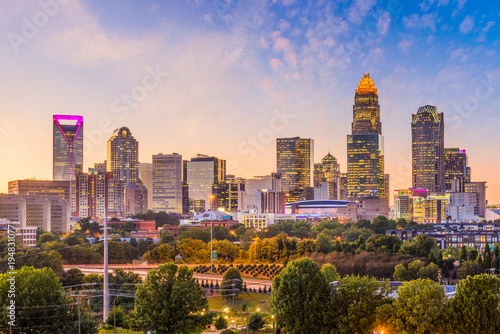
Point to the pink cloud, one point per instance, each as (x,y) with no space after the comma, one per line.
(276,63)
(281,43)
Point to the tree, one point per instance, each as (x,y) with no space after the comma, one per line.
(383,243)
(120,316)
(46,237)
(220,322)
(255,322)
(73,276)
(193,251)
(418,308)
(161,254)
(40,303)
(330,272)
(232,283)
(170,301)
(420,246)
(463,254)
(469,268)
(476,305)
(299,296)
(166,237)
(380,224)
(487,256)
(353,303)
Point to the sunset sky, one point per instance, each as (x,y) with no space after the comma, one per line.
(225,78)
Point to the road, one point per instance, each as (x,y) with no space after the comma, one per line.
(251,283)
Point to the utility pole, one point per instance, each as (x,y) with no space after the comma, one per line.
(114,314)
(105,308)
(211,236)
(79,318)
(247,320)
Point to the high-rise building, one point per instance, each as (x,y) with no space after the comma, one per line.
(60,189)
(427,129)
(235,193)
(365,146)
(295,163)
(202,176)
(146,177)
(270,201)
(270,182)
(136,199)
(123,157)
(327,171)
(67,152)
(455,167)
(480,189)
(167,183)
(95,192)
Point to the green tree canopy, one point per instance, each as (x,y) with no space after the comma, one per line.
(299,296)
(170,301)
(232,284)
(220,322)
(418,308)
(420,246)
(330,272)
(475,305)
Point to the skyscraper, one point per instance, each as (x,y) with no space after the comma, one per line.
(455,167)
(365,146)
(123,152)
(295,163)
(327,171)
(203,176)
(427,130)
(167,182)
(67,153)
(146,177)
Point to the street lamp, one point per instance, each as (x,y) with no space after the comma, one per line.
(211,236)
(274,328)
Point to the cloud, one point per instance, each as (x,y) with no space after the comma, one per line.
(359,9)
(284,25)
(426,4)
(207,18)
(154,8)
(406,42)
(467,25)
(482,34)
(276,63)
(384,22)
(460,53)
(460,6)
(426,21)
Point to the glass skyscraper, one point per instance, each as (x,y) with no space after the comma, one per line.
(67,153)
(123,157)
(455,167)
(365,146)
(427,130)
(295,163)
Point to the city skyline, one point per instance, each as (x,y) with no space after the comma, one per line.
(221,84)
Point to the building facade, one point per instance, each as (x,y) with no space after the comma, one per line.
(49,213)
(67,149)
(295,163)
(365,146)
(455,167)
(60,189)
(327,171)
(123,157)
(270,182)
(270,201)
(167,183)
(146,177)
(136,199)
(203,176)
(428,165)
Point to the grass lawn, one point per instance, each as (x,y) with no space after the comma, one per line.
(119,330)
(252,300)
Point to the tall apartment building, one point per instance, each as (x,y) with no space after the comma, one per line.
(123,157)
(67,149)
(270,201)
(136,199)
(295,163)
(455,167)
(167,183)
(95,192)
(365,146)
(327,171)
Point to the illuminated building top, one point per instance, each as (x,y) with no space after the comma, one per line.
(366,85)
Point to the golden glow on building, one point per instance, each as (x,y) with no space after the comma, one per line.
(366,85)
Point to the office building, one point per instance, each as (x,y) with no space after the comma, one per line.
(136,199)
(146,177)
(167,183)
(403,202)
(203,176)
(67,149)
(455,167)
(365,146)
(480,189)
(122,157)
(26,234)
(60,189)
(234,193)
(49,213)
(295,163)
(428,165)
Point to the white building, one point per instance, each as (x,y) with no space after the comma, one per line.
(26,234)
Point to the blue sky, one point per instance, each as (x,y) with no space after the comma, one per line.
(231,76)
